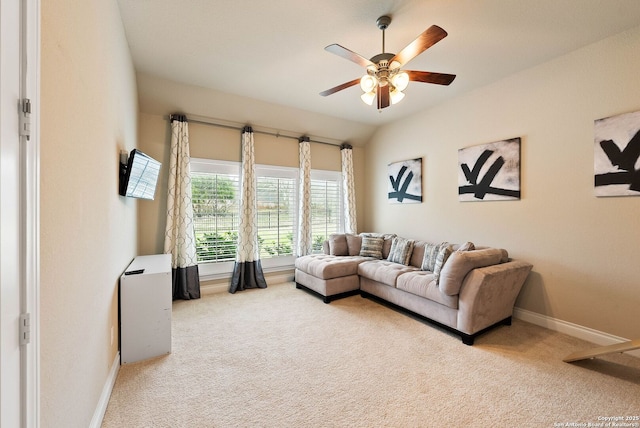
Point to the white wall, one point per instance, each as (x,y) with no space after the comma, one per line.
(583,248)
(88,232)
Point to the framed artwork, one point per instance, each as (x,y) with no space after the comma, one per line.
(489,172)
(405,182)
(617,155)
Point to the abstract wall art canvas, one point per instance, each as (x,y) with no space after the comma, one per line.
(489,172)
(617,155)
(405,182)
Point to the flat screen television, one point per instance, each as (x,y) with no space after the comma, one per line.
(139,175)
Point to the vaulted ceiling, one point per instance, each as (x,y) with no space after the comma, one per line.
(274,50)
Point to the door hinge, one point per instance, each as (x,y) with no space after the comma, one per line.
(25,328)
(25,118)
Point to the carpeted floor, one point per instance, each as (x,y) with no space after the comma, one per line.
(279,357)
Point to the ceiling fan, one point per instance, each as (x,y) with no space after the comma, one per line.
(385,78)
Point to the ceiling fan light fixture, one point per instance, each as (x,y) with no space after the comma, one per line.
(384,78)
(400,81)
(396,96)
(368,83)
(368,97)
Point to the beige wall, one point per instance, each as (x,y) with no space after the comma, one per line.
(88,232)
(213,142)
(584,249)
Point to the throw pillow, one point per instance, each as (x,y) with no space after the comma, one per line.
(371,247)
(400,251)
(338,244)
(430,256)
(443,255)
(354,242)
(467,246)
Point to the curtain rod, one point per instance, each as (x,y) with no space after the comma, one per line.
(234,125)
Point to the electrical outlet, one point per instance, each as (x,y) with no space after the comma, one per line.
(111,335)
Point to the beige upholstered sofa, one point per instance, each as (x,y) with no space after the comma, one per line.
(461,287)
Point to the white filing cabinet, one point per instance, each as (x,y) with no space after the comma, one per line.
(145,309)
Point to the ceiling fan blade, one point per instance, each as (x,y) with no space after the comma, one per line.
(340,87)
(424,41)
(428,77)
(348,54)
(383,96)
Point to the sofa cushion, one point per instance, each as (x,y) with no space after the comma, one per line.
(338,244)
(460,263)
(443,255)
(401,250)
(354,243)
(418,253)
(325,266)
(422,283)
(383,271)
(372,246)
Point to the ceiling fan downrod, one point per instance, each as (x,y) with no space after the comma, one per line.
(383,23)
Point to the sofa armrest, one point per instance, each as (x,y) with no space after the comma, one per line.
(488,294)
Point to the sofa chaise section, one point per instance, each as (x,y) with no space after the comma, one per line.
(330,276)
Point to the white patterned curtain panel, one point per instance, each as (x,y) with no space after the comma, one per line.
(247,271)
(179,240)
(348,189)
(305,244)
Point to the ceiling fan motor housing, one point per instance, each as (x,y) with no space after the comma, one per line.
(383,22)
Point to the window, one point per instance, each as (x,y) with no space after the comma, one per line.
(215,192)
(277,207)
(326,206)
(215,187)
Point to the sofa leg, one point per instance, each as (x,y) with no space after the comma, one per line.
(326,299)
(506,321)
(298,286)
(467,340)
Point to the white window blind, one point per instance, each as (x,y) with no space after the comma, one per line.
(276,199)
(215,211)
(326,206)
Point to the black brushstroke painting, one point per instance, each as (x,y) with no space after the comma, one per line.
(405,181)
(617,155)
(501,179)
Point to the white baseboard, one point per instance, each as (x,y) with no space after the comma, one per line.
(570,329)
(213,288)
(101,408)
(272,279)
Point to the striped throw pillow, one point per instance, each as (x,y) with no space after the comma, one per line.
(430,256)
(443,255)
(401,250)
(371,247)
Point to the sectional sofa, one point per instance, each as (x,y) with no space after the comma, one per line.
(461,287)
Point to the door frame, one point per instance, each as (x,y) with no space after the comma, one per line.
(30,202)
(19,213)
